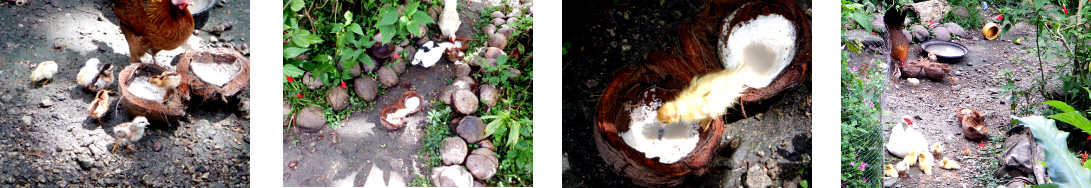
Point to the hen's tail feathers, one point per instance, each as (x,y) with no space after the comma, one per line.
(894,18)
(706,97)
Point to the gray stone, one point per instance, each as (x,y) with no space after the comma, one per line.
(366,88)
(956,29)
(471,129)
(399,65)
(355,69)
(877,23)
(451,176)
(493,52)
(498,21)
(338,98)
(454,151)
(757,178)
(465,102)
(85,162)
(498,40)
(490,29)
(310,119)
(497,14)
(311,81)
(942,34)
(46,103)
(388,77)
(488,94)
(463,70)
(866,38)
(960,12)
(482,163)
(446,92)
(920,34)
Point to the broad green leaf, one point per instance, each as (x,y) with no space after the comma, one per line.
(355,28)
(304,38)
(389,17)
(1064,169)
(347,54)
(1070,116)
(348,17)
(292,52)
(387,32)
(292,71)
(422,18)
(413,28)
(364,58)
(513,135)
(297,5)
(323,58)
(492,126)
(1064,107)
(411,7)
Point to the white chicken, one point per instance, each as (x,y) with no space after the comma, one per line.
(430,53)
(448,20)
(904,139)
(130,132)
(44,72)
(95,76)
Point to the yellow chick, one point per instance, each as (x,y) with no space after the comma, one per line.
(706,97)
(890,171)
(911,158)
(95,75)
(100,105)
(913,81)
(44,72)
(926,162)
(902,167)
(949,164)
(936,149)
(167,80)
(127,132)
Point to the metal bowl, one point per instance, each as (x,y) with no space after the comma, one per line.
(202,6)
(946,52)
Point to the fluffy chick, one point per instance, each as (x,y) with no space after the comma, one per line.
(936,149)
(127,132)
(902,167)
(890,171)
(167,80)
(99,106)
(95,75)
(44,72)
(949,164)
(926,161)
(911,158)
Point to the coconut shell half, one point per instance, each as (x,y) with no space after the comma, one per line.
(171,109)
(399,105)
(227,72)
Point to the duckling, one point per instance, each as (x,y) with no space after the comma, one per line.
(448,20)
(902,167)
(130,132)
(44,73)
(913,81)
(926,162)
(889,171)
(911,158)
(905,138)
(95,76)
(100,105)
(936,149)
(167,80)
(949,164)
(706,97)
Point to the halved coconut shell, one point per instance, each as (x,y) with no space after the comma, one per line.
(626,87)
(171,109)
(215,73)
(399,105)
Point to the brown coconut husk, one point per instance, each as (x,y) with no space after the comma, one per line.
(973,124)
(925,68)
(207,90)
(172,109)
(400,104)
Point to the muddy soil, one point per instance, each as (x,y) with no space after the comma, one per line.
(976,85)
(60,145)
(364,153)
(603,37)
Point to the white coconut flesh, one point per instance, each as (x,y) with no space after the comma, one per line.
(764,45)
(412,102)
(646,134)
(216,73)
(141,88)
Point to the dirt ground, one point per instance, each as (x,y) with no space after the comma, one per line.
(933,104)
(60,145)
(603,37)
(362,152)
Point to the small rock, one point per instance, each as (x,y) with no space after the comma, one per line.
(451,176)
(497,14)
(464,82)
(960,11)
(338,98)
(454,151)
(399,66)
(505,30)
(488,94)
(955,29)
(370,67)
(482,163)
(498,21)
(486,143)
(46,103)
(157,146)
(919,33)
(446,93)
(490,29)
(756,177)
(498,40)
(878,24)
(85,162)
(942,34)
(493,52)
(463,70)
(28,120)
(388,77)
(366,88)
(310,119)
(355,69)
(465,102)
(471,129)
(511,20)
(311,82)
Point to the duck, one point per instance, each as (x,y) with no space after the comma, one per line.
(168,80)
(99,106)
(973,124)
(128,132)
(449,20)
(430,53)
(904,139)
(890,171)
(95,76)
(949,164)
(43,74)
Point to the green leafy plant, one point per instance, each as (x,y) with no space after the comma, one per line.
(1063,167)
(856,12)
(401,25)
(499,74)
(861,143)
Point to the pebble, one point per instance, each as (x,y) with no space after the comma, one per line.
(756,177)
(46,103)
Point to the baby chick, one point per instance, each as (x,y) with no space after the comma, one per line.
(949,164)
(167,80)
(95,76)
(902,167)
(913,81)
(100,105)
(44,73)
(936,149)
(926,162)
(130,131)
(911,158)
(889,171)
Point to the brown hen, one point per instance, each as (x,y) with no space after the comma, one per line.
(153,25)
(899,45)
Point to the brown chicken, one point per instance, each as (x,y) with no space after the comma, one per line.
(899,45)
(153,25)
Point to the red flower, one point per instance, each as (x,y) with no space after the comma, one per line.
(998,17)
(290,79)
(1065,8)
(297,95)
(930,23)
(980,145)
(343,84)
(396,56)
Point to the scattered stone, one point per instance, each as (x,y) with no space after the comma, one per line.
(505,30)
(366,88)
(27,120)
(370,67)
(955,29)
(961,12)
(462,70)
(919,33)
(465,102)
(497,14)
(388,77)
(451,176)
(486,143)
(338,98)
(464,82)
(399,66)
(877,23)
(85,162)
(942,34)
(311,82)
(493,52)
(454,151)
(756,177)
(488,94)
(511,20)
(490,29)
(310,119)
(46,103)
(908,36)
(446,92)
(498,21)
(355,69)
(482,163)
(498,40)
(471,128)
(157,146)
